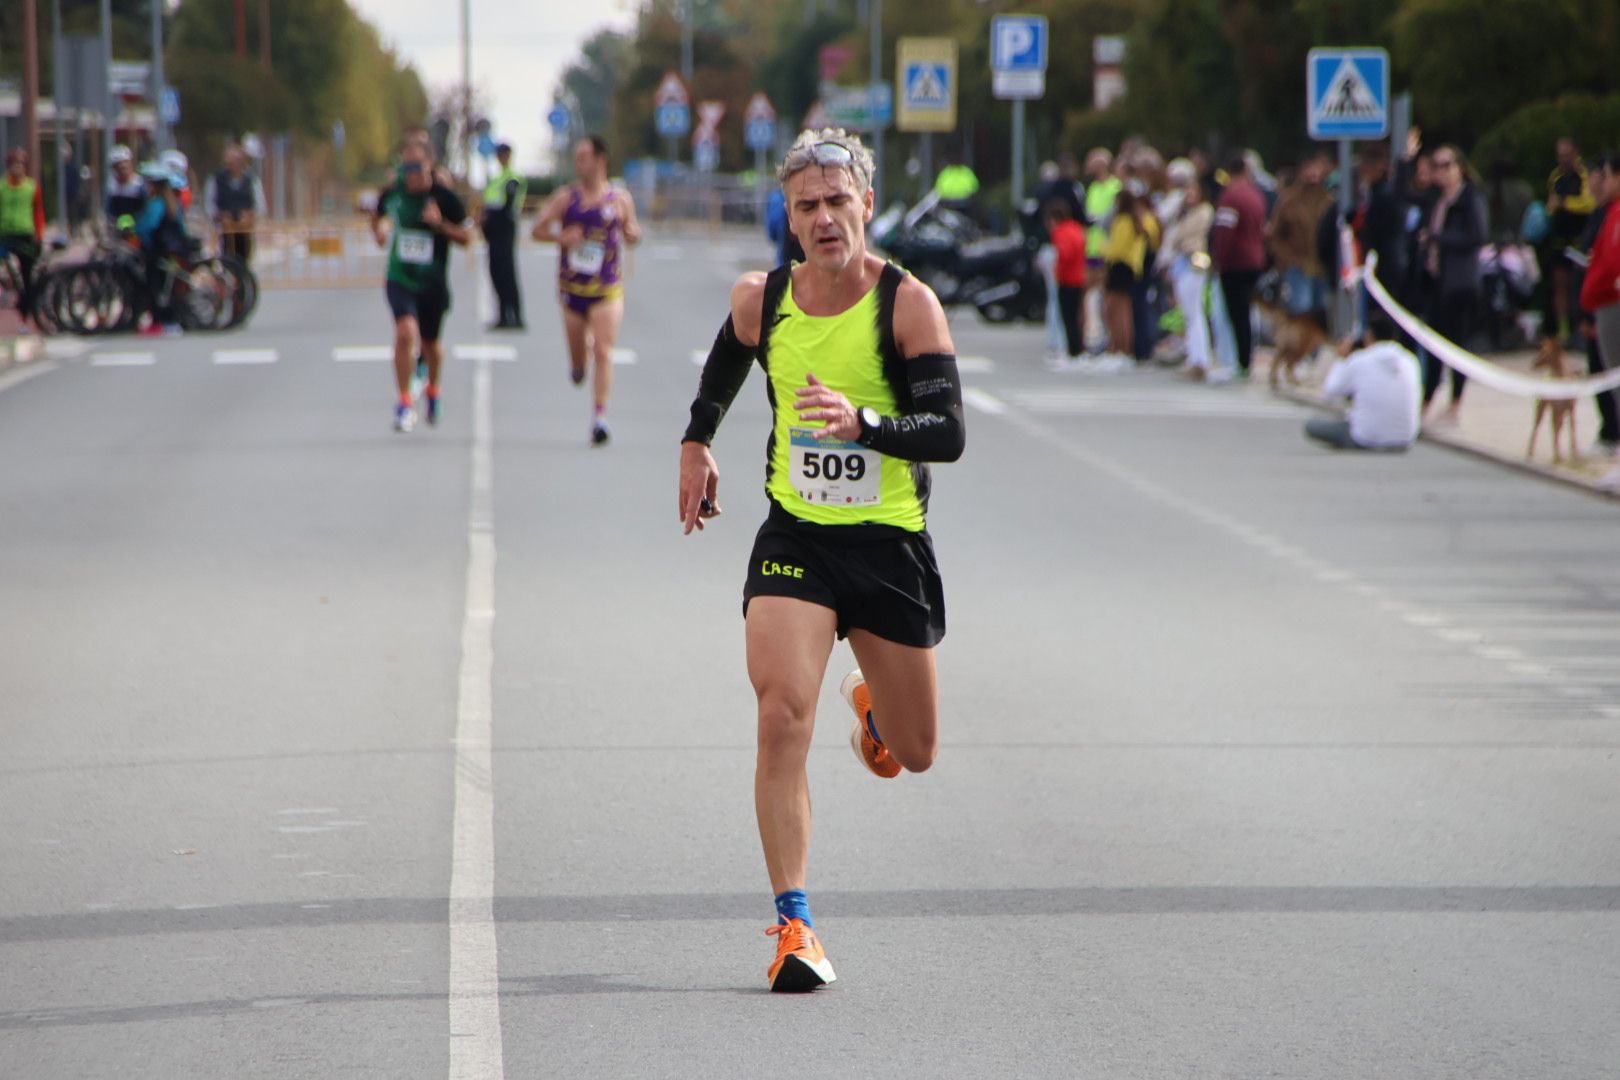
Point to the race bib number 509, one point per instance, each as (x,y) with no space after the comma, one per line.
(835,473)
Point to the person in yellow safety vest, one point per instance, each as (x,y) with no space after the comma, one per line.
(22,224)
(1102,193)
(503,205)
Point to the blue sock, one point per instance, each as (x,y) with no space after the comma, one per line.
(793,904)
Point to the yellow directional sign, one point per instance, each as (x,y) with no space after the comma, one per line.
(925,84)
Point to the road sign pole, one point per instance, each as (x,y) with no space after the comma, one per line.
(927,156)
(1017,154)
(872,102)
(1347,182)
(759,183)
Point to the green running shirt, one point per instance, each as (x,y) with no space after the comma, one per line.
(834,482)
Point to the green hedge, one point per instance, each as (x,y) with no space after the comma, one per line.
(1529,136)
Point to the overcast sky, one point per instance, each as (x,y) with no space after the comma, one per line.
(518,52)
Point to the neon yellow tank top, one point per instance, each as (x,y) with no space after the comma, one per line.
(833,482)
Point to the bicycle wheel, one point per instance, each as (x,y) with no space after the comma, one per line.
(245,288)
(201,296)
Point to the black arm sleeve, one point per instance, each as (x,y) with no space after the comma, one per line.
(933,430)
(724,373)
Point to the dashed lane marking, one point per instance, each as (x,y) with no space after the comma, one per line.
(231,357)
(355,354)
(124,359)
(502,353)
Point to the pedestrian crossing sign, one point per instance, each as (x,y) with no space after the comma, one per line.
(1347,93)
(925,77)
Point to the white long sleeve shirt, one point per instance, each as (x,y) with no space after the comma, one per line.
(1381,382)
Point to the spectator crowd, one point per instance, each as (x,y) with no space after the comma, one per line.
(1153,258)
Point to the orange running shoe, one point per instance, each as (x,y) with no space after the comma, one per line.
(801,965)
(868,747)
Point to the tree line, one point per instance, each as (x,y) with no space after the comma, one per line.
(327,64)
(1503,78)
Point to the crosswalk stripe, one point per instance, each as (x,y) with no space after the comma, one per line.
(700,356)
(127,359)
(66,348)
(624,357)
(246,356)
(484,352)
(348,354)
(975,365)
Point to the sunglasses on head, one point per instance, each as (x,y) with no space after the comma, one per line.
(412,166)
(831,153)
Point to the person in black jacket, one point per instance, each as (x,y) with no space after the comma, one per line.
(1448,242)
(1377,221)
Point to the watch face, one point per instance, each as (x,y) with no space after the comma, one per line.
(869,416)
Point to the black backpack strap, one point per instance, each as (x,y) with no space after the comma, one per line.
(776,283)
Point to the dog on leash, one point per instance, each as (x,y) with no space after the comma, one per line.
(1296,338)
(1551,358)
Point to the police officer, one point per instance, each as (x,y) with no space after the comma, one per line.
(503,202)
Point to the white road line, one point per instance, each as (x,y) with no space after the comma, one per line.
(475,1004)
(246,356)
(485,352)
(123,359)
(700,356)
(356,354)
(984,401)
(18,376)
(975,365)
(624,357)
(66,348)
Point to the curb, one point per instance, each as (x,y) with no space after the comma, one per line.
(1301,396)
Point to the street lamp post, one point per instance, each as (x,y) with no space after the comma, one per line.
(31,84)
(160,129)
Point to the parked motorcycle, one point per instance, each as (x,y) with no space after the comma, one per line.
(997,276)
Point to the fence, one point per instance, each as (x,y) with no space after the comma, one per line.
(319,253)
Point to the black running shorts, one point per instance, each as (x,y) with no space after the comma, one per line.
(427,307)
(875,577)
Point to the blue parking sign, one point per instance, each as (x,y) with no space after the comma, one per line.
(1347,93)
(1018,43)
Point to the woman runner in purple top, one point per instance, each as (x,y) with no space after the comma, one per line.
(591,222)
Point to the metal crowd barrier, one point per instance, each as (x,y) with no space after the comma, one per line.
(337,253)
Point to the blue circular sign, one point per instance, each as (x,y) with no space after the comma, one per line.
(760,134)
(674,120)
(558,118)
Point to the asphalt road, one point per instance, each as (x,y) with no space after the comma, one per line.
(1257,760)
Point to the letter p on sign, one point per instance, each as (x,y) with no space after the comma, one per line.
(1013,40)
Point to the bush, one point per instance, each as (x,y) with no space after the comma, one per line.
(1528,136)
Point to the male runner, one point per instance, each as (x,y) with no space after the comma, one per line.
(426,218)
(591,221)
(863,389)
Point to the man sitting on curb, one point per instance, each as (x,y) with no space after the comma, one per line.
(1381,382)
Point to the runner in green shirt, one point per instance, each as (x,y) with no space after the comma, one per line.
(418,218)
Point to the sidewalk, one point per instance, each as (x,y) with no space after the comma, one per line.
(1493,425)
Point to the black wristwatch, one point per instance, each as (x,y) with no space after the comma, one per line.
(871,420)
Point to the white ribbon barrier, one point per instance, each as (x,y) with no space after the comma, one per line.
(1492,375)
